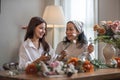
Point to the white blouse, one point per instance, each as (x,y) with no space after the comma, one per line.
(29,53)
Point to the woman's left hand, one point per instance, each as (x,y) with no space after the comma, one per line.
(90,48)
(45,57)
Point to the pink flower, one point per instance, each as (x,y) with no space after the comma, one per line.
(54,64)
(111,29)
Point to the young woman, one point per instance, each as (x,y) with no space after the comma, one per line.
(75,42)
(35,48)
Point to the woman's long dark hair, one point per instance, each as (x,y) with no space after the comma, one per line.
(34,22)
(82,39)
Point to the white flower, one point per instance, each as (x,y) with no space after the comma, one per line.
(117,36)
(102,22)
(74,41)
(74,34)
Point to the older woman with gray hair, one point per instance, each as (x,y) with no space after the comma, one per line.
(75,43)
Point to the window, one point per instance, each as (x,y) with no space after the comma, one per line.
(78,10)
(82,10)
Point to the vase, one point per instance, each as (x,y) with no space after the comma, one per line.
(109,52)
(117,52)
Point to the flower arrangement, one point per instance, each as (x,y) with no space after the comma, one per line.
(109,32)
(73,65)
(68,67)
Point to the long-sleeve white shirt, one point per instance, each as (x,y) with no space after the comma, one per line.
(29,53)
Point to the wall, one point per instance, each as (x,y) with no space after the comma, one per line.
(14,14)
(109,10)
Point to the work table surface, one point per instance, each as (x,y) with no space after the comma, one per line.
(100,74)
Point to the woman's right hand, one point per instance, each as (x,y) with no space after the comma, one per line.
(42,58)
(63,54)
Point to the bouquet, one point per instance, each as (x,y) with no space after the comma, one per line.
(109,32)
(73,65)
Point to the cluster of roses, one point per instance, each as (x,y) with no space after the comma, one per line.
(109,32)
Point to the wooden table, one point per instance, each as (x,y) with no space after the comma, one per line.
(101,74)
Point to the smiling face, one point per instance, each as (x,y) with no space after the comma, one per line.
(71,31)
(39,31)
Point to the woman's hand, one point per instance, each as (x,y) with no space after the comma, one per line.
(43,58)
(90,48)
(63,54)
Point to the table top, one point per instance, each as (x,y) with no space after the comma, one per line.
(100,74)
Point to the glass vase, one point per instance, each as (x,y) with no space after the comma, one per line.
(109,52)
